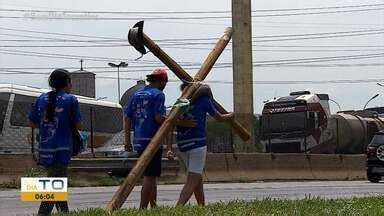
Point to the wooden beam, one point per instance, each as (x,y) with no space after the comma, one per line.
(243,133)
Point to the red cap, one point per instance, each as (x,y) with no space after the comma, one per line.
(159,72)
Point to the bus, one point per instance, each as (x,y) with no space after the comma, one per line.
(101,119)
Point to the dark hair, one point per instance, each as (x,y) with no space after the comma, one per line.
(153,78)
(58,80)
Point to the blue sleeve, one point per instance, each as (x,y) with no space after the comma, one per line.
(128,112)
(76,110)
(34,115)
(159,104)
(210,108)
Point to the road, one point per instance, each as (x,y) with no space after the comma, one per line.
(82,198)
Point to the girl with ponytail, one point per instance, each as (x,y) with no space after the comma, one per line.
(55,114)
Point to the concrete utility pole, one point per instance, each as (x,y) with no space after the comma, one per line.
(242,69)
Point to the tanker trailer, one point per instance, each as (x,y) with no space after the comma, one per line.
(351,132)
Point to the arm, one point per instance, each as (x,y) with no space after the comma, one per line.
(127,134)
(169,148)
(32,124)
(76,114)
(223,117)
(34,115)
(78,126)
(215,114)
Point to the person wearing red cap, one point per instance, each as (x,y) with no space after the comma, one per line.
(145,113)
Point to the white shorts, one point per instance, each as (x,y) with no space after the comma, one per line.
(194,159)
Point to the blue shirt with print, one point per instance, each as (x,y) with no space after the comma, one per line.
(191,138)
(142,110)
(55,140)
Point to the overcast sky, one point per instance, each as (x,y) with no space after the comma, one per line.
(365,23)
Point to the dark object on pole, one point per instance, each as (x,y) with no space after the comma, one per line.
(135,37)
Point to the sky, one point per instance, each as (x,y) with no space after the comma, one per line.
(351,36)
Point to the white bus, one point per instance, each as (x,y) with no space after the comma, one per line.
(15,103)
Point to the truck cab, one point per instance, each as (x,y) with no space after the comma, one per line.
(294,123)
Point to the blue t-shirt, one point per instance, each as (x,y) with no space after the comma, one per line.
(191,138)
(142,110)
(55,140)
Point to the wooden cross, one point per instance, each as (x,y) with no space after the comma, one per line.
(138,39)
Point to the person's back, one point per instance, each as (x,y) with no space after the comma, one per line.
(192,142)
(145,104)
(191,138)
(55,145)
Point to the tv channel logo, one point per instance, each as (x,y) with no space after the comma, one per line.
(44,189)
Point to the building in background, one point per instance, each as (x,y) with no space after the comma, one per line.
(83,83)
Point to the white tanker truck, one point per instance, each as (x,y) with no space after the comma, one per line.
(302,122)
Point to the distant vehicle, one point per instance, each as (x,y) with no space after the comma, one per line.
(302,122)
(375,158)
(16,102)
(295,123)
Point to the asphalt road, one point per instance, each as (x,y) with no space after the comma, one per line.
(82,198)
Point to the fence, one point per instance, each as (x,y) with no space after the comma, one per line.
(102,124)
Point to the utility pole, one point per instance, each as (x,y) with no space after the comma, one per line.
(242,70)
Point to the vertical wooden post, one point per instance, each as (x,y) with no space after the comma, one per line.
(92,130)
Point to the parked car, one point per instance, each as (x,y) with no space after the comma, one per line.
(375,158)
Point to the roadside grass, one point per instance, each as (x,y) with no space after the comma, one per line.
(308,206)
(15,182)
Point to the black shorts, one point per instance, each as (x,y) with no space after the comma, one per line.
(154,167)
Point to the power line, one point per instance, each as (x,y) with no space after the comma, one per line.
(182,41)
(320,59)
(278,82)
(325,65)
(188,12)
(319,33)
(61,34)
(65,17)
(71,46)
(92,58)
(52,39)
(318,8)
(260,82)
(265,62)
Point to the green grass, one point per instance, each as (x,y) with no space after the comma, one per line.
(15,182)
(93,181)
(308,206)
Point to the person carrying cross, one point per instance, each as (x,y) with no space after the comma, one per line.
(192,142)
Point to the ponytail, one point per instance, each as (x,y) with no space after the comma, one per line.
(58,80)
(51,105)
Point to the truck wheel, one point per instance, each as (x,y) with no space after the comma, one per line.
(374,178)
